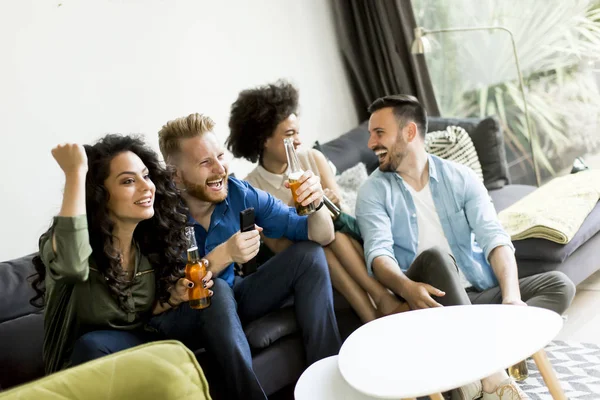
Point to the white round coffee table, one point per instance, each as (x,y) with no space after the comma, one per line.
(323,381)
(427,352)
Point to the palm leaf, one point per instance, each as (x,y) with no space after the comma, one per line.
(553,37)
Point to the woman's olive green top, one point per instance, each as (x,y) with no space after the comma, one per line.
(77,298)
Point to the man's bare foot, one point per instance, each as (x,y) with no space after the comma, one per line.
(389,304)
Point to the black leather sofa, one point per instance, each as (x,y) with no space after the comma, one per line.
(274,339)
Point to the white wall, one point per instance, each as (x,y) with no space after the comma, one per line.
(74,70)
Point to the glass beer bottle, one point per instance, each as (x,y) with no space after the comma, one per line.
(195,271)
(519,372)
(294,174)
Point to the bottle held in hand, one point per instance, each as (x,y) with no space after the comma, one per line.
(195,271)
(519,372)
(295,172)
(333,209)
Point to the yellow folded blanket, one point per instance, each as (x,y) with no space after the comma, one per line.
(556,210)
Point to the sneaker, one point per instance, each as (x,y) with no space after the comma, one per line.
(471,391)
(508,390)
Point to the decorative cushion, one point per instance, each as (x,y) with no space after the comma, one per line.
(159,370)
(454,144)
(488,140)
(349,181)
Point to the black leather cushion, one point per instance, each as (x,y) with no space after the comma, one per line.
(488,140)
(266,330)
(15,289)
(280,364)
(21,342)
(349,149)
(21,325)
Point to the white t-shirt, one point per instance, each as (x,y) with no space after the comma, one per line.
(431,232)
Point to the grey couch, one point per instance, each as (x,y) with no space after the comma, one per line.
(577,259)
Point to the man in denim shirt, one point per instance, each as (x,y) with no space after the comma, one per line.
(418,214)
(215,200)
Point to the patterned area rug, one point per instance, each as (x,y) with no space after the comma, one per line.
(577,366)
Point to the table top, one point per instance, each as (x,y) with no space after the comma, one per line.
(421,352)
(323,381)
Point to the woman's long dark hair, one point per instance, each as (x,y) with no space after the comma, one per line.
(161,238)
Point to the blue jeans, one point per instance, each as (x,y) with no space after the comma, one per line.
(96,344)
(301,271)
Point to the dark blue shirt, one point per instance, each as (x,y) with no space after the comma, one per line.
(276,218)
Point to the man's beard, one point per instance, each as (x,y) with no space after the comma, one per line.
(395,157)
(201,192)
(394,162)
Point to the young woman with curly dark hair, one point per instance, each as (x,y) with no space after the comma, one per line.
(260,119)
(113,256)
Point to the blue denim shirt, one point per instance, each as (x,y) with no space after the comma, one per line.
(276,219)
(387,218)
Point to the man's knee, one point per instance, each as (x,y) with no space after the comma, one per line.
(221,287)
(306,253)
(223,299)
(312,257)
(307,247)
(560,284)
(437,259)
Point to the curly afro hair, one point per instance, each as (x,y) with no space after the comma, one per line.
(255,115)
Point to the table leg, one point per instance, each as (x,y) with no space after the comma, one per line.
(436,396)
(543,364)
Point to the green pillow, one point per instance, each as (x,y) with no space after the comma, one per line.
(157,370)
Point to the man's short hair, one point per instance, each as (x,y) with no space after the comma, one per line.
(181,128)
(406,108)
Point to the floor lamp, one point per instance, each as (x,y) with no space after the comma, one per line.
(418,47)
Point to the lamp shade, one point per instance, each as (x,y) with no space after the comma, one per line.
(418,45)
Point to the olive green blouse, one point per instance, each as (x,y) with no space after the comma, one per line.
(77,298)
